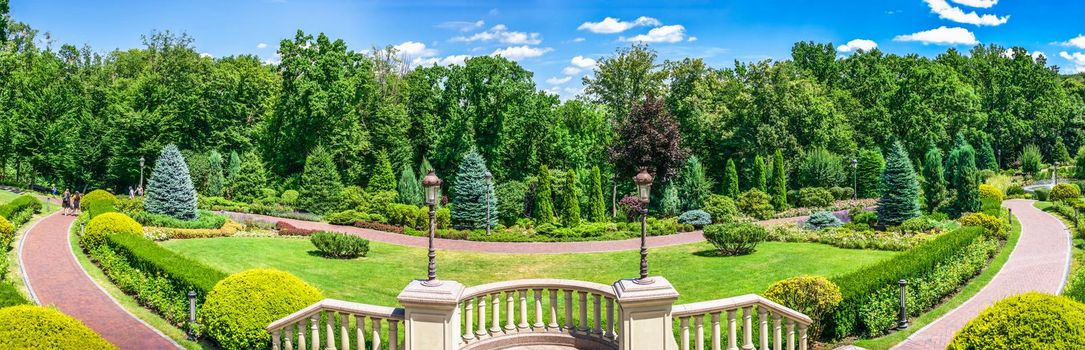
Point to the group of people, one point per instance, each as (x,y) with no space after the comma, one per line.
(70,202)
(135,192)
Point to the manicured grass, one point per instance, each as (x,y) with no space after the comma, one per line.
(963,295)
(376,279)
(7,196)
(1078,246)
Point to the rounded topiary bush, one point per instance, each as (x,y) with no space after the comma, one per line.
(101,226)
(757,204)
(735,238)
(1026,321)
(97,197)
(815,197)
(814,296)
(240,306)
(7,233)
(721,208)
(822,219)
(1064,192)
(991,192)
(697,218)
(36,327)
(992,226)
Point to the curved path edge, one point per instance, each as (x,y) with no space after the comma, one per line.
(56,278)
(1040,262)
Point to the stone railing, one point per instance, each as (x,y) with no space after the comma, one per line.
(771,318)
(302,330)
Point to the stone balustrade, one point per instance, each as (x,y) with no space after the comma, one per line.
(750,314)
(339,321)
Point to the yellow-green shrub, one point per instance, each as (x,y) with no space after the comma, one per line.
(107,224)
(240,306)
(36,327)
(814,296)
(97,196)
(7,233)
(1027,321)
(1064,192)
(991,192)
(992,227)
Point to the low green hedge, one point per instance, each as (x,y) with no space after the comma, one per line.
(204,220)
(1027,321)
(36,327)
(19,204)
(340,245)
(240,306)
(9,296)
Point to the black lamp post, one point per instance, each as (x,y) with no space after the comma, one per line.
(902,321)
(191,314)
(432,184)
(489,187)
(142,162)
(644,190)
(854,178)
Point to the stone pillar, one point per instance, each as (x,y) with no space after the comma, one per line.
(646,314)
(431,315)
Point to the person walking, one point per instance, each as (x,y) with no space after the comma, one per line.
(66,202)
(75,202)
(131,192)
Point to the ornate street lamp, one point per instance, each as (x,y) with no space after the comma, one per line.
(142,162)
(432,184)
(644,189)
(854,178)
(489,185)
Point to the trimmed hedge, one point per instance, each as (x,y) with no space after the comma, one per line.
(164,233)
(204,220)
(1027,321)
(240,306)
(19,204)
(36,327)
(340,245)
(146,255)
(735,238)
(98,202)
(108,224)
(814,296)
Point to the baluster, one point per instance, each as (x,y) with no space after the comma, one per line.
(747,328)
(583,322)
(569,311)
(553,310)
(538,309)
(777,340)
(510,311)
(698,323)
(330,330)
(344,337)
(359,331)
(314,327)
(469,319)
(301,334)
(481,331)
(610,319)
(716,331)
(275,340)
(802,337)
(790,335)
(393,334)
(683,325)
(290,337)
(495,321)
(376,341)
(762,318)
(597,313)
(523,310)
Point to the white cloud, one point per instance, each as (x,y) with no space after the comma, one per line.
(953,13)
(1077,58)
(558,81)
(517,53)
(857,44)
(570,70)
(611,25)
(664,34)
(463,26)
(578,40)
(583,62)
(206,55)
(440,61)
(1078,42)
(1038,54)
(494,12)
(261,46)
(414,49)
(986,4)
(941,36)
(502,34)
(692,38)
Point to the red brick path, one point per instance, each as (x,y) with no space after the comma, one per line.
(57,279)
(1039,263)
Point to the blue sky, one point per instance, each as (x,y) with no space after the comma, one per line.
(560,40)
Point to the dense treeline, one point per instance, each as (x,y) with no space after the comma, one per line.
(80,118)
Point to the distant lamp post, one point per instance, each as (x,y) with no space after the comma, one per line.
(191,314)
(1055,175)
(142,162)
(644,189)
(489,186)
(902,317)
(854,178)
(432,184)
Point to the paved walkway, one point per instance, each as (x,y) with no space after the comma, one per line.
(56,278)
(1039,262)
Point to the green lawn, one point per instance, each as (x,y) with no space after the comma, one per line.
(6,196)
(378,278)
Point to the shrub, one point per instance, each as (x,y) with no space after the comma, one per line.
(383,178)
(1027,321)
(510,201)
(241,305)
(693,185)
(756,204)
(992,226)
(697,218)
(1015,190)
(216,178)
(735,238)
(7,235)
(170,190)
(870,218)
(820,168)
(630,205)
(720,208)
(842,193)
(1063,192)
(1076,287)
(1042,194)
(19,204)
(815,197)
(98,202)
(822,219)
(918,224)
(349,217)
(250,178)
(9,296)
(320,184)
(37,327)
(373,226)
(1031,159)
(990,192)
(164,233)
(205,220)
(730,179)
(339,245)
(287,229)
(814,296)
(108,224)
(409,187)
(290,198)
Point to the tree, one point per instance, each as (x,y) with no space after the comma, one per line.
(4,8)
(544,205)
(474,194)
(900,189)
(649,138)
(321,187)
(934,183)
(234,166)
(597,207)
(410,189)
(760,178)
(250,180)
(216,181)
(170,191)
(1079,163)
(622,81)
(869,172)
(1061,153)
(1031,160)
(383,178)
(730,180)
(670,204)
(779,182)
(985,156)
(693,185)
(570,211)
(966,182)
(820,168)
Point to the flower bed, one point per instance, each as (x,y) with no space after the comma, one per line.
(229,228)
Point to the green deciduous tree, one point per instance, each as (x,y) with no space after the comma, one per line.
(170,191)
(544,197)
(216,180)
(597,207)
(779,182)
(900,189)
(1079,163)
(321,186)
(934,183)
(410,189)
(869,173)
(730,180)
(472,191)
(622,81)
(570,211)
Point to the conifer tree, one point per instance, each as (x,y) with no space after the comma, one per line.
(570,212)
(472,192)
(693,185)
(934,183)
(321,187)
(730,180)
(966,182)
(544,205)
(779,182)
(250,179)
(760,177)
(1079,163)
(170,191)
(410,189)
(900,192)
(597,208)
(1061,153)
(869,173)
(383,179)
(216,180)
(234,167)
(670,203)
(985,157)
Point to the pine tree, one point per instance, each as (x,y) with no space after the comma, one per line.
(250,179)
(670,204)
(570,212)
(869,173)
(423,169)
(730,180)
(410,189)
(966,182)
(900,189)
(544,206)
(472,192)
(693,185)
(597,206)
(383,179)
(234,167)
(934,183)
(985,158)
(321,187)
(779,182)
(760,178)
(216,181)
(1061,153)
(170,191)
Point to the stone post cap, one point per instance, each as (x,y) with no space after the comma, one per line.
(660,290)
(417,294)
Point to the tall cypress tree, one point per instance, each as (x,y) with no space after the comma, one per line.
(410,189)
(985,157)
(779,182)
(730,180)
(570,212)
(170,191)
(693,185)
(934,183)
(234,167)
(472,192)
(760,178)
(966,182)
(544,205)
(216,180)
(900,189)
(320,184)
(670,204)
(383,179)
(597,206)
(869,173)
